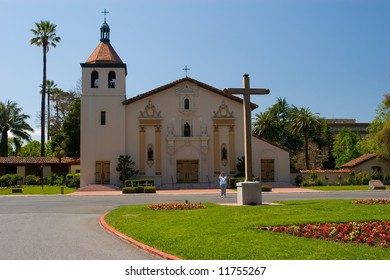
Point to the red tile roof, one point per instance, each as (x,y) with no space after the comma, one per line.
(358,160)
(325,171)
(104,53)
(38,160)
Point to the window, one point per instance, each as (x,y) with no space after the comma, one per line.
(102,118)
(111,79)
(94,79)
(186,104)
(376,169)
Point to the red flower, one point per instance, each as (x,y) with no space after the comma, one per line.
(375,233)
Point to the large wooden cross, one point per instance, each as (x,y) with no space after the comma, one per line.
(247,92)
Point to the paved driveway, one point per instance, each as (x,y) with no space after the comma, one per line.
(67,227)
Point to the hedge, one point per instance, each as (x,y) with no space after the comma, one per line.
(146,189)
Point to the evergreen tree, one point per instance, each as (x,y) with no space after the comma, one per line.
(345,146)
(125,168)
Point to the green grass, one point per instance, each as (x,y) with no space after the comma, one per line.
(37,190)
(341,188)
(229,232)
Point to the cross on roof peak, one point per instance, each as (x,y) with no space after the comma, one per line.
(186,69)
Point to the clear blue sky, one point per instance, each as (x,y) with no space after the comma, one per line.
(332,56)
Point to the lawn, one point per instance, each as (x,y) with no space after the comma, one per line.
(37,190)
(231,232)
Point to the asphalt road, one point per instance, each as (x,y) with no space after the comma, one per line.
(67,227)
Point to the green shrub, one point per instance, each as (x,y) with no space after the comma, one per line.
(54,180)
(298,180)
(307,183)
(313,175)
(362,178)
(266,188)
(139,182)
(149,189)
(132,190)
(72,180)
(318,182)
(33,180)
(350,180)
(17,190)
(375,175)
(10,180)
(233,181)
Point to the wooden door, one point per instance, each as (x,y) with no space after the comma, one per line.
(187,171)
(102,175)
(267,170)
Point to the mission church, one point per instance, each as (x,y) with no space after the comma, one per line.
(182,134)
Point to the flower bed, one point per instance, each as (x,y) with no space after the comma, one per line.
(376,233)
(372,201)
(176,206)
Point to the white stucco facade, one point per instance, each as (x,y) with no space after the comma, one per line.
(184,132)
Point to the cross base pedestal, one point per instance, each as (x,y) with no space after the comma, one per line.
(249,193)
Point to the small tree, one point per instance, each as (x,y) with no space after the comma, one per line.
(125,168)
(240,167)
(345,146)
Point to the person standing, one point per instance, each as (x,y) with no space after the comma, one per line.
(223,183)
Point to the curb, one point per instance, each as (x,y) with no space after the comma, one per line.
(135,242)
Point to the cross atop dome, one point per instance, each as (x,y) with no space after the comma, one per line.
(105,29)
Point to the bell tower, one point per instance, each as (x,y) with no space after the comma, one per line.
(102,113)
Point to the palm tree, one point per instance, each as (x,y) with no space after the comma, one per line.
(12,120)
(281,109)
(44,36)
(266,125)
(51,88)
(304,122)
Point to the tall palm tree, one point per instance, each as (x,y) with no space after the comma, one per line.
(304,122)
(51,88)
(44,36)
(12,120)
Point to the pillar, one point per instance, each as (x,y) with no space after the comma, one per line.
(216,149)
(142,150)
(158,149)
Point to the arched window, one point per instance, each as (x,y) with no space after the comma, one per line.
(186,104)
(187,130)
(94,79)
(111,79)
